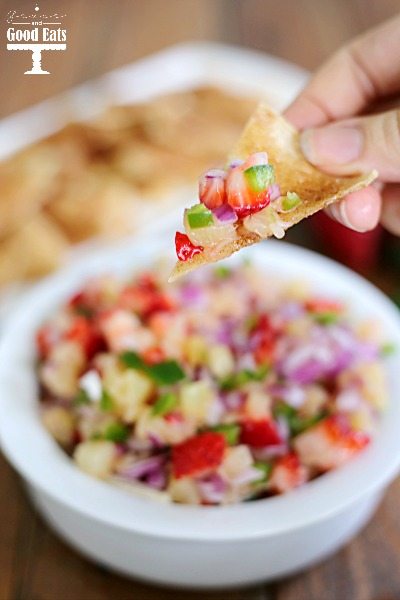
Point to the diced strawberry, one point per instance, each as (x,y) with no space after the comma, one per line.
(243,201)
(199,454)
(153,355)
(174,416)
(45,339)
(287,473)
(340,432)
(86,335)
(330,443)
(212,188)
(144,300)
(259,433)
(97,294)
(184,247)
(320,305)
(264,336)
(77,300)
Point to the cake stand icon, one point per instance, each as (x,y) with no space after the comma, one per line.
(36,50)
(38,21)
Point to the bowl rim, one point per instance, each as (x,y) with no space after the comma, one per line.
(38,459)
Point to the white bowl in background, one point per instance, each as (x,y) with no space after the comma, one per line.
(189,545)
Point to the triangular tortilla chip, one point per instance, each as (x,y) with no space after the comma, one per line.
(267,131)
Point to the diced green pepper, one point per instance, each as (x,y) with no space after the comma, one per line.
(167,372)
(165,404)
(296,424)
(84,311)
(230,431)
(265,469)
(222,272)
(251,322)
(132,360)
(282,409)
(116,432)
(291,200)
(388,349)
(81,398)
(106,402)
(243,377)
(259,177)
(199,216)
(326,318)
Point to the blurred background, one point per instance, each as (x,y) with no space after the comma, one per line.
(87,166)
(104,34)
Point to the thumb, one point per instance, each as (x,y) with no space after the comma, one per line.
(356,145)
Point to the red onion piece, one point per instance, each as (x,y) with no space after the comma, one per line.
(274,192)
(157,480)
(237,162)
(212,488)
(215,173)
(193,294)
(225,214)
(269,452)
(143,468)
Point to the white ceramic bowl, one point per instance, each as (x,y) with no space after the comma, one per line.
(184,545)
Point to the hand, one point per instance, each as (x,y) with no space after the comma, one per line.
(360,78)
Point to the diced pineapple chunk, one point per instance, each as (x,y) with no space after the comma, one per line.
(195,350)
(362,420)
(196,399)
(298,327)
(226,301)
(258,404)
(129,389)
(170,432)
(316,397)
(236,460)
(370,331)
(60,423)
(371,378)
(62,368)
(297,290)
(220,361)
(184,491)
(94,422)
(374,384)
(96,457)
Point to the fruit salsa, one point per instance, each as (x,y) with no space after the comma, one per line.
(225,387)
(242,199)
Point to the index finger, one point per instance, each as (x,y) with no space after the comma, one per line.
(358,74)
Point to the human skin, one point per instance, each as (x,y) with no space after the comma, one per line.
(349,117)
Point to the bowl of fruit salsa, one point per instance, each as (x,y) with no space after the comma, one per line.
(236,426)
(225,387)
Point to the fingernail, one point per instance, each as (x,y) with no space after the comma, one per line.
(339,213)
(334,144)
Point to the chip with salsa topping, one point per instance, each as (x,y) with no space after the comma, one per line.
(267,187)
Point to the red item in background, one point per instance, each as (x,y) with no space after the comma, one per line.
(198,454)
(360,251)
(259,433)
